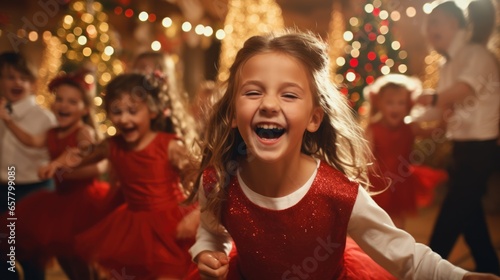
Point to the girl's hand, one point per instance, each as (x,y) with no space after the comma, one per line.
(188,225)
(48,171)
(213,265)
(480,276)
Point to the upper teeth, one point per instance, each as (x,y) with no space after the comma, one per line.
(269,126)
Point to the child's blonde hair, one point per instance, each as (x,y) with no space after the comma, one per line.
(339,140)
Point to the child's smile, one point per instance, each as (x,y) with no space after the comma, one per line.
(274,106)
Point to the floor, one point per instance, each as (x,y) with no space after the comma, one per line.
(420,227)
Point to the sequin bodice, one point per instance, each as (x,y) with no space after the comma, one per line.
(306,240)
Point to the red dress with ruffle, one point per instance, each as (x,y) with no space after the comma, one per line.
(49,221)
(305,241)
(139,238)
(404,185)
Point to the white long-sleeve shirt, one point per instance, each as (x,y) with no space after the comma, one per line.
(369,225)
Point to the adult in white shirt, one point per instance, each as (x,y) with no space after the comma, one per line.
(468,99)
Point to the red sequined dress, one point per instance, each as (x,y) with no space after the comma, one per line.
(305,241)
(139,238)
(49,221)
(410,185)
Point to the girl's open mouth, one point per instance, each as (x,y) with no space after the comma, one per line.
(266,131)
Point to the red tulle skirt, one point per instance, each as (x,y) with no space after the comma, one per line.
(407,191)
(358,265)
(141,244)
(47,222)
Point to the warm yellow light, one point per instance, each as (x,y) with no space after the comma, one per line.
(220,34)
(402,68)
(166,22)
(82,40)
(385,70)
(87,51)
(33,36)
(87,18)
(380,39)
(395,16)
(354,21)
(143,16)
(348,36)
(369,8)
(208,31)
(104,27)
(109,50)
(395,45)
(111,131)
(350,76)
(383,15)
(156,46)
(340,61)
(355,53)
(403,54)
(68,20)
(97,101)
(77,31)
(186,26)
(411,11)
(199,29)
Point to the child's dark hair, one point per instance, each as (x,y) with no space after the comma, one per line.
(481,15)
(148,89)
(18,62)
(77,80)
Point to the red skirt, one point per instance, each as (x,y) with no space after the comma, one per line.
(358,265)
(47,222)
(142,244)
(408,191)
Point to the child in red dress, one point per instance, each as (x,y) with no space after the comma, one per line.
(146,237)
(283,176)
(49,221)
(402,184)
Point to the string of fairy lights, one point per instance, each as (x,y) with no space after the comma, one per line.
(85,35)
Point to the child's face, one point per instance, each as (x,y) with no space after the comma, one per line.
(393,104)
(68,106)
(131,117)
(441,29)
(14,86)
(274,106)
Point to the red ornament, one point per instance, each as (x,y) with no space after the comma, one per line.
(383,58)
(376,12)
(118,10)
(353,62)
(129,13)
(372,55)
(368,27)
(152,17)
(370,80)
(372,36)
(368,67)
(344,91)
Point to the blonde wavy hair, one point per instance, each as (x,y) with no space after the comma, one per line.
(339,141)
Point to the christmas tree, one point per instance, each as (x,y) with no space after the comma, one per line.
(89,42)
(370,52)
